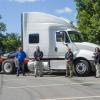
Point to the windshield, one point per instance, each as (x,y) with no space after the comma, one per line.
(75,36)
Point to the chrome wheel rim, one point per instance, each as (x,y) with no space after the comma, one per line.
(7,67)
(81,68)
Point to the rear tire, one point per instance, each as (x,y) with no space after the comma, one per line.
(82,67)
(8,66)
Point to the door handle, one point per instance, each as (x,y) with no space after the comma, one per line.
(56,49)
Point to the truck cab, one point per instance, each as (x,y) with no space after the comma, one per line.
(83,51)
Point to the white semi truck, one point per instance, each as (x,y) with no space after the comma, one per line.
(54,35)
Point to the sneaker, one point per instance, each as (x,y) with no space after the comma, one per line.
(70,76)
(97,76)
(66,75)
(35,75)
(41,75)
(24,75)
(17,75)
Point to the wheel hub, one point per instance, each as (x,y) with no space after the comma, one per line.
(7,67)
(81,68)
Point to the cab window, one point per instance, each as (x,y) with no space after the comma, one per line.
(33,38)
(59,36)
(75,36)
(62,37)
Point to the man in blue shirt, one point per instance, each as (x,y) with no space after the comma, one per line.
(20,57)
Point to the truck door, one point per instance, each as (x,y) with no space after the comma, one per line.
(60,50)
(61,46)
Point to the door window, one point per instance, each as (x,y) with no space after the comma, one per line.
(59,36)
(62,36)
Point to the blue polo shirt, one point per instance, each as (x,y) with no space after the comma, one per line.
(20,55)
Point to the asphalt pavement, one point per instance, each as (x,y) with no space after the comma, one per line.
(49,87)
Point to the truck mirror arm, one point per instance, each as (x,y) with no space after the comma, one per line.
(56,49)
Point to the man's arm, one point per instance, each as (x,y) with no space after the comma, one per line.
(41,56)
(66,56)
(71,57)
(24,54)
(16,54)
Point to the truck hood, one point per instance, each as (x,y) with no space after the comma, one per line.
(87,46)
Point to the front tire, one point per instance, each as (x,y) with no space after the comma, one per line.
(82,68)
(8,67)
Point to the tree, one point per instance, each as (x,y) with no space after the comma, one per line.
(89,19)
(8,41)
(2,26)
(12,41)
(2,36)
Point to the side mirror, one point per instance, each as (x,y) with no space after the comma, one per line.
(56,49)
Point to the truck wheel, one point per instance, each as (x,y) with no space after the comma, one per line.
(82,68)
(8,67)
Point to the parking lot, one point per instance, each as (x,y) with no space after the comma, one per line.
(49,87)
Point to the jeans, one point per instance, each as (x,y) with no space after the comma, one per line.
(19,67)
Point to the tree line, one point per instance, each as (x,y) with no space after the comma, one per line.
(8,41)
(88,19)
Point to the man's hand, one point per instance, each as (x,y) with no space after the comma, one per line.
(38,58)
(67,61)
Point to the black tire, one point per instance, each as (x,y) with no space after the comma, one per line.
(82,68)
(8,67)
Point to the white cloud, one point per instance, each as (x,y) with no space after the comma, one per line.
(64,10)
(23,1)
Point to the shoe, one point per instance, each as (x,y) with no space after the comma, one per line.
(17,75)
(66,75)
(24,75)
(97,77)
(35,75)
(70,76)
(41,75)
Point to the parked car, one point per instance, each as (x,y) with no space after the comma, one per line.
(1,52)
(10,54)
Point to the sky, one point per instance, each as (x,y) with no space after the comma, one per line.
(11,10)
